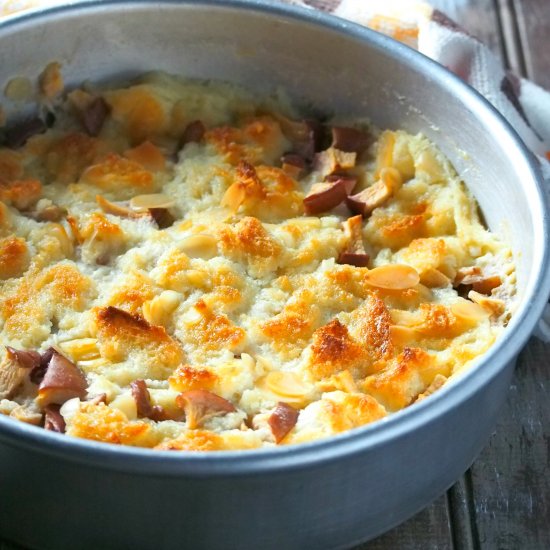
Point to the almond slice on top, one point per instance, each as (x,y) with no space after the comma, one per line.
(393,277)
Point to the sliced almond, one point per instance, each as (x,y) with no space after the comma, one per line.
(492,305)
(343,381)
(472,272)
(393,277)
(159,310)
(247,185)
(287,385)
(117,209)
(234,196)
(51,80)
(27,414)
(468,311)
(142,203)
(402,336)
(433,278)
(404,318)
(81,349)
(200,246)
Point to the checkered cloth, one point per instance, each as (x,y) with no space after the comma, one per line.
(524,104)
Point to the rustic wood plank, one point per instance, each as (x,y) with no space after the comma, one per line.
(511,478)
(461,512)
(533,21)
(428,530)
(513,53)
(481,19)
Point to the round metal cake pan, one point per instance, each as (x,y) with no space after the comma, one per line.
(58,492)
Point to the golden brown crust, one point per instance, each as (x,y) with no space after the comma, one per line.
(249,242)
(373,323)
(69,155)
(213,331)
(232,301)
(403,380)
(193,440)
(120,333)
(102,423)
(14,257)
(291,329)
(352,411)
(116,171)
(187,377)
(333,350)
(139,113)
(21,193)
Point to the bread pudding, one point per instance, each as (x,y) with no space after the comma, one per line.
(187,266)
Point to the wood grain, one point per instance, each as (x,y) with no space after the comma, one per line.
(533,21)
(511,478)
(428,530)
(481,19)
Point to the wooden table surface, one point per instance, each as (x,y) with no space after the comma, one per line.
(503,501)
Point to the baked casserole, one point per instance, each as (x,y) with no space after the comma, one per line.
(184,266)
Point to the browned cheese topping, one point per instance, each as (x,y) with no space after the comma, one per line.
(185,266)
